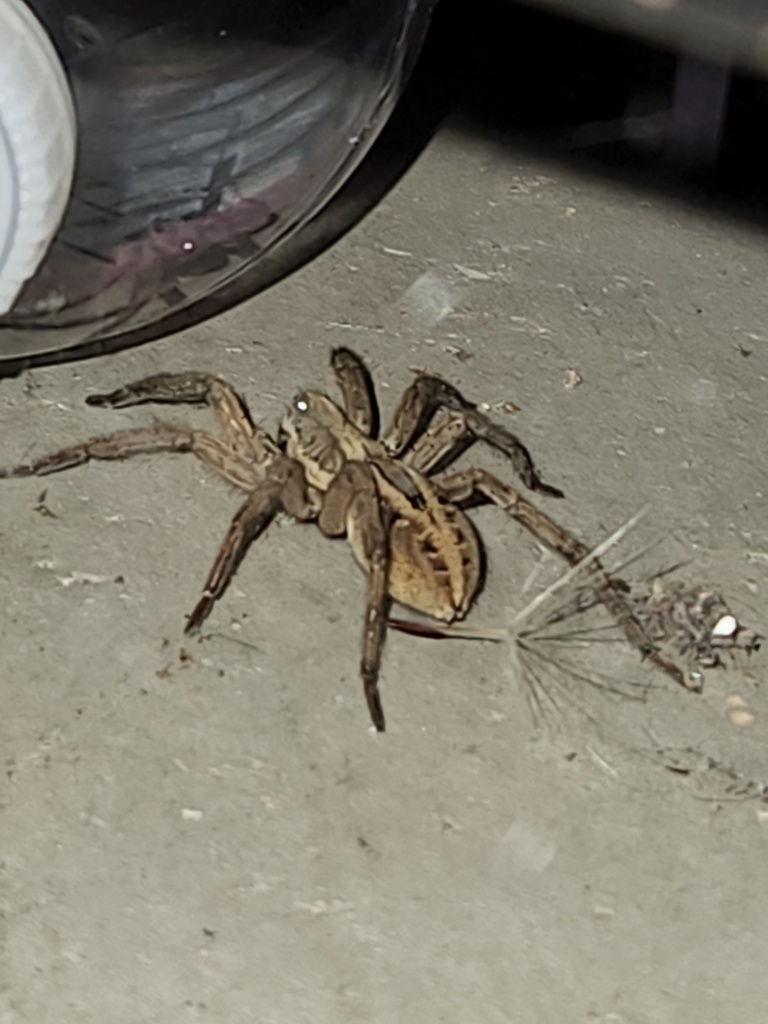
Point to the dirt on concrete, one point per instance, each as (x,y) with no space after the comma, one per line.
(210,831)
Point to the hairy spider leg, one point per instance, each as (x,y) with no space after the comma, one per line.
(285,490)
(230,409)
(145,441)
(421,401)
(445,438)
(351,506)
(360,405)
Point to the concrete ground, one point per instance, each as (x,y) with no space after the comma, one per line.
(210,831)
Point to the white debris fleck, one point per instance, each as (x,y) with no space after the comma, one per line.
(189,814)
(528,326)
(725,627)
(601,911)
(82,578)
(600,761)
(471,274)
(45,563)
(502,405)
(56,405)
(739,713)
(322,907)
(572,380)
(694,680)
(395,252)
(742,717)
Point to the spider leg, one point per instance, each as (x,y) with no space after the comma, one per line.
(351,506)
(230,409)
(146,441)
(477,486)
(473,486)
(250,520)
(445,438)
(284,490)
(120,445)
(360,404)
(421,401)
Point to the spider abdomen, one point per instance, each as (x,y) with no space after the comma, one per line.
(435,569)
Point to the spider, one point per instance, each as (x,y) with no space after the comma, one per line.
(394,498)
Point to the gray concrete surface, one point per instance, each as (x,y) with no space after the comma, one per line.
(209,831)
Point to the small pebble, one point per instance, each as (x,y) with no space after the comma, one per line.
(742,718)
(601,911)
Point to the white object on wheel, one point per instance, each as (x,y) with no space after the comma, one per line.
(38,136)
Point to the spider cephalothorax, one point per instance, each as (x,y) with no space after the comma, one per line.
(401,509)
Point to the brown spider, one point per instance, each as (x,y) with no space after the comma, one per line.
(393,499)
